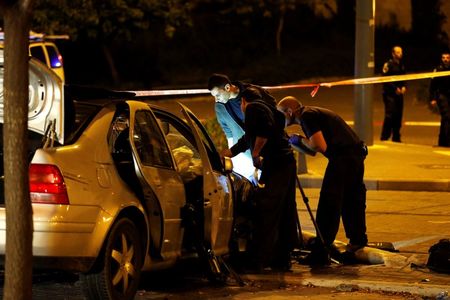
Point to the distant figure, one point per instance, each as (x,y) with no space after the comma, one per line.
(393,97)
(343,192)
(440,97)
(228,96)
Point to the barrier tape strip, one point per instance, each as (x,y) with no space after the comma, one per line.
(316,86)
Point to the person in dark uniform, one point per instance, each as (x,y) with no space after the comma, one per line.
(275,230)
(393,97)
(440,97)
(228,96)
(343,192)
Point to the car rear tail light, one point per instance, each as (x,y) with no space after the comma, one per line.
(47,184)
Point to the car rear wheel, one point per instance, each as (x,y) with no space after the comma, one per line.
(118,276)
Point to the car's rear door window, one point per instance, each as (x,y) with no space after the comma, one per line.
(149,142)
(184,152)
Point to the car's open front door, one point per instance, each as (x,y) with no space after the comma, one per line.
(217,201)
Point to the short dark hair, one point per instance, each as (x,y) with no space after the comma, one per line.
(251,94)
(218,80)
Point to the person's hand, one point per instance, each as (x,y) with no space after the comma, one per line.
(226,153)
(433,103)
(298,143)
(400,91)
(296,139)
(257,161)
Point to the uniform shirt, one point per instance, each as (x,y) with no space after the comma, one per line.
(229,115)
(391,68)
(262,120)
(440,85)
(340,138)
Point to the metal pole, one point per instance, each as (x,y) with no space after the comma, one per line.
(364,67)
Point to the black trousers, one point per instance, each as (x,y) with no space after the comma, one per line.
(393,114)
(343,194)
(275,233)
(444,109)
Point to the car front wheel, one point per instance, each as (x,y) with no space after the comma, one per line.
(120,270)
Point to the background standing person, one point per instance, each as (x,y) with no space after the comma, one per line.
(343,192)
(440,97)
(227,95)
(275,230)
(393,97)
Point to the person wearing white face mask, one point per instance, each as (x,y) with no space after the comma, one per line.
(227,95)
(343,193)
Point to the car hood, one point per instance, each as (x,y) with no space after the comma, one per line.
(45,101)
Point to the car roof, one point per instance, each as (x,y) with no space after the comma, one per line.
(38,38)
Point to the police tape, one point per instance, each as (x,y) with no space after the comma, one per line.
(315,86)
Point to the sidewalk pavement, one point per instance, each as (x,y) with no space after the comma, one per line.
(393,166)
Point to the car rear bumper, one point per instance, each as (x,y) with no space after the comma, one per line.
(64,237)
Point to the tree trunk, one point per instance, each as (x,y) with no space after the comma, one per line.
(19,224)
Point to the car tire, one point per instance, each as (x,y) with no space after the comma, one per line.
(121,262)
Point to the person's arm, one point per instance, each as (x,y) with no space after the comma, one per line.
(240,146)
(256,157)
(259,144)
(432,90)
(317,142)
(221,115)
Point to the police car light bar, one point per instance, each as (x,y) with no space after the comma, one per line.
(35,36)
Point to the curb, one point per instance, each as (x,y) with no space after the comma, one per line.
(443,185)
(421,289)
(424,290)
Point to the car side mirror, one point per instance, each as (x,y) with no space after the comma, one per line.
(227,164)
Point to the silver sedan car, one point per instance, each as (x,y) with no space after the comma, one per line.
(119,186)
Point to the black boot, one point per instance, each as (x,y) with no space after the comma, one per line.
(319,255)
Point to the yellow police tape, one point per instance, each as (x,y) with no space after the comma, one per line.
(354,81)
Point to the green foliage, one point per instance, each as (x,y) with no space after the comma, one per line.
(109,19)
(216,133)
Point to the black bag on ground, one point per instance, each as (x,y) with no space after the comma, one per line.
(439,258)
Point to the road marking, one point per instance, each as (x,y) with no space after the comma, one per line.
(407,123)
(376,146)
(412,123)
(443,152)
(407,243)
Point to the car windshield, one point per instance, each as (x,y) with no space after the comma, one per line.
(55,60)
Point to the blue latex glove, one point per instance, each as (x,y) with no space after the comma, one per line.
(298,144)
